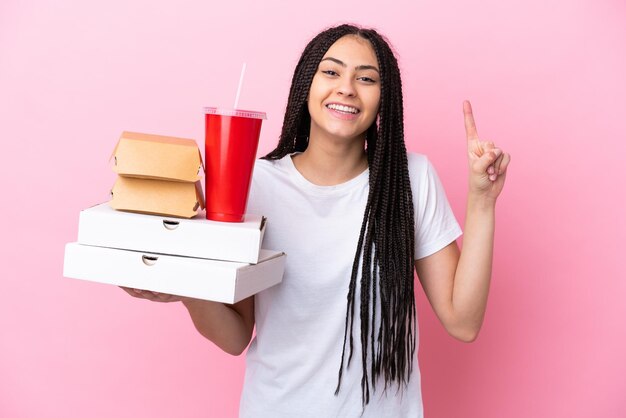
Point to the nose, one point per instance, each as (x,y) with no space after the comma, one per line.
(345,88)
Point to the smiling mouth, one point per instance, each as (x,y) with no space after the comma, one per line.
(343,109)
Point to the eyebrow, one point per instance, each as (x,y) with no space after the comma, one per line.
(358,67)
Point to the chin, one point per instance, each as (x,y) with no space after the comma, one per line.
(348,136)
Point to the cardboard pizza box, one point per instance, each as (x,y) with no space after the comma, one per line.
(103,226)
(220,281)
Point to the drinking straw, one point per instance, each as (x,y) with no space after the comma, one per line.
(243,71)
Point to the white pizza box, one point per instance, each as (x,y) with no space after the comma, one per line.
(104,226)
(221,281)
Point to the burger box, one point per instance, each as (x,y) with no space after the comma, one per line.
(104,226)
(220,281)
(157,175)
(157,197)
(157,157)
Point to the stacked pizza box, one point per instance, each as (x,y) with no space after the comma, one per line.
(153,234)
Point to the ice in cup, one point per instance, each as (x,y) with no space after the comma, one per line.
(231,142)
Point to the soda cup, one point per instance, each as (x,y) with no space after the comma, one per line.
(231,142)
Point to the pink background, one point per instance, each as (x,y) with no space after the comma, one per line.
(546,79)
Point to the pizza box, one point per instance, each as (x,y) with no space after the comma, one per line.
(220,281)
(104,226)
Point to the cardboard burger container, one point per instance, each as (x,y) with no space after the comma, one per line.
(157,175)
(157,157)
(102,226)
(157,197)
(221,281)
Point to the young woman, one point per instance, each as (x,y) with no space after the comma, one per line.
(357,216)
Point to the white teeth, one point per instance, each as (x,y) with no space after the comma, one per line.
(341,108)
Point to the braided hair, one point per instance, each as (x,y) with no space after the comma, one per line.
(386,240)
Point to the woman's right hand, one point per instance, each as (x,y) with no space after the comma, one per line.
(154,296)
(228,326)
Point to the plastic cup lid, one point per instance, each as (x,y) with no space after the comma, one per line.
(234,112)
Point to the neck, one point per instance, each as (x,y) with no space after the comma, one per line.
(328,162)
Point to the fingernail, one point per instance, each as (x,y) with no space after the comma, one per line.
(497,151)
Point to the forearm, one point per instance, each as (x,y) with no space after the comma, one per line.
(473,273)
(221,324)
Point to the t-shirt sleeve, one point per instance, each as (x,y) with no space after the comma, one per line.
(260,195)
(435,224)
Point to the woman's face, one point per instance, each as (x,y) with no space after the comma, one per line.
(345,92)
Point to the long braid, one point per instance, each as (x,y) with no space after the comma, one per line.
(385,248)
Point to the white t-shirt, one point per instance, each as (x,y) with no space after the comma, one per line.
(293,362)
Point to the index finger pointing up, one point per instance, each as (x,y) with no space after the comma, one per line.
(470,125)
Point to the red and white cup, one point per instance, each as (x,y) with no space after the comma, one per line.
(231,142)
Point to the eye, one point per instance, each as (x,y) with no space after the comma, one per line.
(367,80)
(329,72)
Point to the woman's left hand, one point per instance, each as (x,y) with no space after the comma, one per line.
(487,163)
